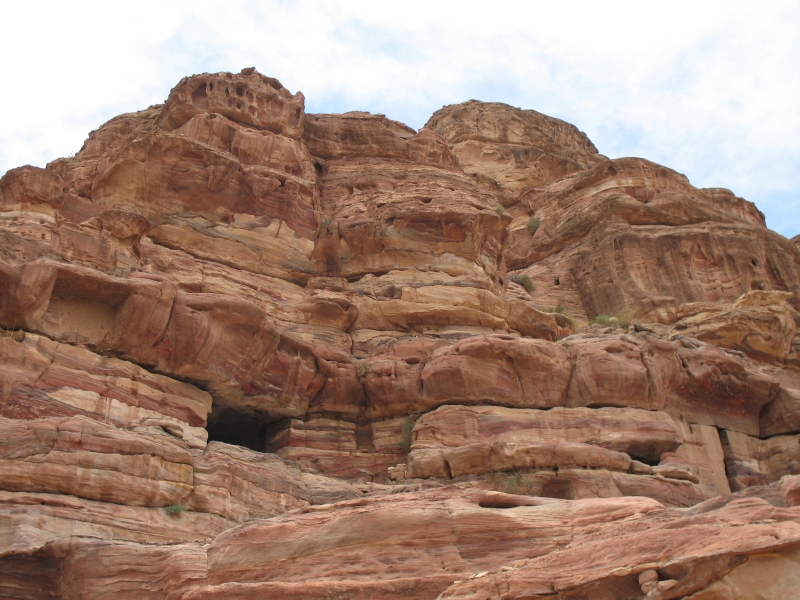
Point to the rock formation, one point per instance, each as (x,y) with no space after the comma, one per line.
(252,352)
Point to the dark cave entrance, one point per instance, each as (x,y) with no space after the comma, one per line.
(238,427)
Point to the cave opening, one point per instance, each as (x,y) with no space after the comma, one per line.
(238,427)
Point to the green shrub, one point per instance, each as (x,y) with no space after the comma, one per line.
(533,225)
(405,441)
(560,308)
(174,509)
(624,318)
(602,319)
(500,210)
(517,484)
(527,283)
(621,319)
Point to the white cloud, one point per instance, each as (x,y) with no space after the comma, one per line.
(708,88)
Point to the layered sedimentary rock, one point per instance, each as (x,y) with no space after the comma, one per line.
(246,350)
(631,235)
(515,149)
(708,552)
(761,324)
(455,542)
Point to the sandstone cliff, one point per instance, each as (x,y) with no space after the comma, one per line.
(252,352)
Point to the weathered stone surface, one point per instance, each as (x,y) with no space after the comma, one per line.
(381,540)
(364,135)
(382,215)
(608,371)
(89,459)
(29,521)
(536,547)
(690,550)
(644,435)
(545,447)
(42,378)
(721,389)
(30,185)
(608,234)
(241,484)
(769,575)
(504,370)
(782,415)
(702,448)
(507,456)
(76,567)
(359,465)
(513,148)
(750,461)
(760,324)
(248,98)
(232,345)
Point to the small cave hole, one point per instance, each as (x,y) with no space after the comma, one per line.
(558,281)
(227,91)
(238,427)
(210,87)
(240,91)
(318,168)
(754,263)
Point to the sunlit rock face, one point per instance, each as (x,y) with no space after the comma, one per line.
(247,351)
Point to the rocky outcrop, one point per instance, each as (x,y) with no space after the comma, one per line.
(760,324)
(82,457)
(698,554)
(487,543)
(246,350)
(629,235)
(512,148)
(43,378)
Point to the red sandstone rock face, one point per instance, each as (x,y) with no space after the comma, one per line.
(306,325)
(513,148)
(609,233)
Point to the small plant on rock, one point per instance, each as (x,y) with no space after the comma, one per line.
(500,210)
(362,368)
(405,441)
(517,484)
(602,319)
(175,509)
(560,308)
(621,319)
(533,225)
(624,318)
(526,282)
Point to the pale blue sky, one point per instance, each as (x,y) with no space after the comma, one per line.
(711,89)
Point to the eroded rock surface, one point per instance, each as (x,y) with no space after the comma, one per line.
(248,351)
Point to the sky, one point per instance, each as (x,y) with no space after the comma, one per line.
(710,89)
